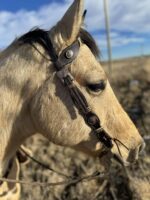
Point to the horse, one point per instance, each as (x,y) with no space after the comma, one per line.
(9,190)
(52,83)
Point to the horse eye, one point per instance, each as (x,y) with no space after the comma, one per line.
(97,87)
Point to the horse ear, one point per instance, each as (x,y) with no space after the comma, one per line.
(69,26)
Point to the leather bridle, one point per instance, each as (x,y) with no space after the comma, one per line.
(61,64)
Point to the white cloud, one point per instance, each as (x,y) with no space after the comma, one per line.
(15,24)
(118,40)
(129,15)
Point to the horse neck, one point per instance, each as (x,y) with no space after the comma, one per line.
(22,72)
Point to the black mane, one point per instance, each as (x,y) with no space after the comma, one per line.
(87,39)
(41,36)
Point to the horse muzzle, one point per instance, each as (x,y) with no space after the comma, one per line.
(131,157)
(134,153)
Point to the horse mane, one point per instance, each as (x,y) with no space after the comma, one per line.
(40,36)
(87,39)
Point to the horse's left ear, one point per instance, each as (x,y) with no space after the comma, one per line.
(69,26)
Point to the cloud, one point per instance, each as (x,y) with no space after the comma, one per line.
(130,15)
(15,24)
(118,40)
(126,16)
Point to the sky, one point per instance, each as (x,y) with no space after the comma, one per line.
(129,22)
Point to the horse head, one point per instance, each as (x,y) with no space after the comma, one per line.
(34,100)
(52,108)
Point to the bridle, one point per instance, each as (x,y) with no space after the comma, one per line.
(61,65)
(91,119)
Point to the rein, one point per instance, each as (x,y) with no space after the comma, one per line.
(70,181)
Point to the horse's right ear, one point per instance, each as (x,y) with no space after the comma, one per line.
(84,15)
(69,26)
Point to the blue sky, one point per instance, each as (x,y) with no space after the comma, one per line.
(129,20)
(15,5)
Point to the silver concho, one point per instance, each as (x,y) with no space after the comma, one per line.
(69,54)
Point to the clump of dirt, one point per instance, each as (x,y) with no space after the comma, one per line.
(131,82)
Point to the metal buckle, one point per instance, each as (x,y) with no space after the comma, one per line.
(63,73)
(99,130)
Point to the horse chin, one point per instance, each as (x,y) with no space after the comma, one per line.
(120,160)
(106,158)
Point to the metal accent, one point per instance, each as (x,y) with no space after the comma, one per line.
(69,54)
(63,73)
(62,60)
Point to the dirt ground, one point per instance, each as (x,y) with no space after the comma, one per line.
(130,80)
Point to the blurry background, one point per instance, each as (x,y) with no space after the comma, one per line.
(129,22)
(130,78)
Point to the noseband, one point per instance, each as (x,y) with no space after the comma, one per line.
(61,64)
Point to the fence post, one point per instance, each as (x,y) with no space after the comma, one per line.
(107,24)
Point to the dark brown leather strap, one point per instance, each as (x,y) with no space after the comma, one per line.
(61,64)
(91,119)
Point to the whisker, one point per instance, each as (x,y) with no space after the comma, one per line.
(115,141)
(121,143)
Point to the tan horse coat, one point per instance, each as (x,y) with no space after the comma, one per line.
(33,99)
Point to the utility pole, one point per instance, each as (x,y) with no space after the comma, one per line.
(107,24)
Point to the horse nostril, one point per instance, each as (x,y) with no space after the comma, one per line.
(142,146)
(134,153)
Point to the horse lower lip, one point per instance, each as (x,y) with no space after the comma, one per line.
(121,161)
(133,156)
